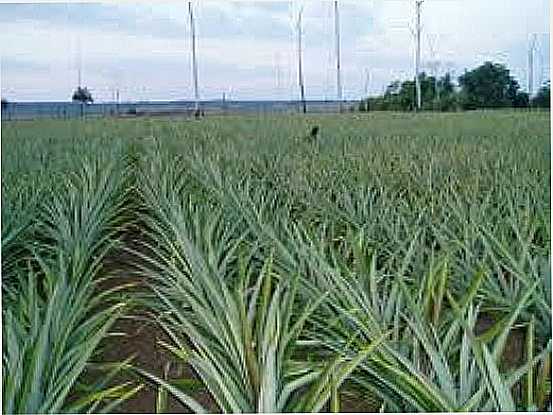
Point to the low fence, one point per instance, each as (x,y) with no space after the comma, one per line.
(62,110)
(67,110)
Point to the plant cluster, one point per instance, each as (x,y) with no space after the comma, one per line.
(61,212)
(543,97)
(82,95)
(400,263)
(488,86)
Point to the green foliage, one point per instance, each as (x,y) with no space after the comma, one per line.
(436,95)
(4,108)
(491,86)
(83,95)
(290,275)
(406,246)
(487,86)
(59,224)
(543,97)
(234,319)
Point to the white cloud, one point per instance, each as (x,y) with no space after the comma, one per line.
(241,42)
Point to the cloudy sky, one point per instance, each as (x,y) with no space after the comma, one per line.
(247,48)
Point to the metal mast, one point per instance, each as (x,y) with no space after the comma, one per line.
(418,53)
(277,71)
(531,50)
(337,35)
(435,64)
(79,63)
(367,81)
(194,62)
(300,71)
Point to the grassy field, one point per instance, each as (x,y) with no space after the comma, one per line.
(396,263)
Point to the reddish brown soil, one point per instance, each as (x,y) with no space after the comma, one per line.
(513,354)
(141,337)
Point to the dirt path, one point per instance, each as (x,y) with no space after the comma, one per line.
(141,335)
(141,338)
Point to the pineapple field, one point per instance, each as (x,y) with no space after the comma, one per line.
(324,263)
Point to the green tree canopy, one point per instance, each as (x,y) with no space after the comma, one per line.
(488,86)
(401,96)
(543,97)
(491,86)
(445,84)
(82,95)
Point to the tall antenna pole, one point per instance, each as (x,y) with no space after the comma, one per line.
(79,70)
(531,50)
(367,81)
(277,71)
(418,54)
(337,35)
(435,65)
(530,71)
(79,63)
(300,71)
(540,66)
(194,62)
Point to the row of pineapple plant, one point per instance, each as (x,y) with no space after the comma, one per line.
(391,297)
(392,270)
(61,216)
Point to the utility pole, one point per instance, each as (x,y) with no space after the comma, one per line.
(194,62)
(367,81)
(117,100)
(435,65)
(79,70)
(418,53)
(531,50)
(367,76)
(79,74)
(79,63)
(277,71)
(541,66)
(337,35)
(300,71)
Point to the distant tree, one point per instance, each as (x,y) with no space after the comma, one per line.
(446,85)
(82,95)
(521,100)
(448,98)
(4,109)
(392,89)
(543,97)
(401,96)
(490,86)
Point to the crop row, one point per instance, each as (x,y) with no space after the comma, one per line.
(405,272)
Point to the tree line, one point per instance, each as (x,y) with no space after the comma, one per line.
(488,86)
(82,95)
